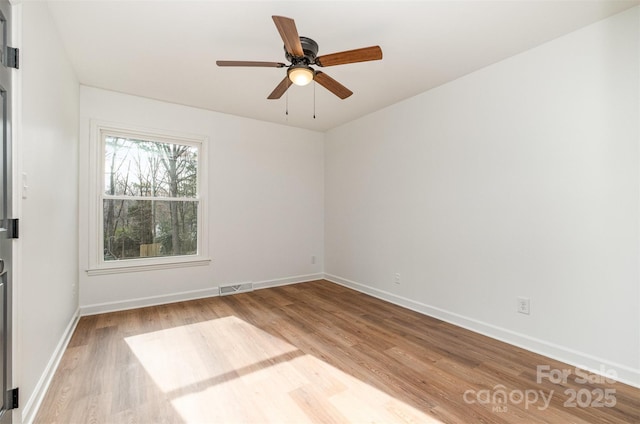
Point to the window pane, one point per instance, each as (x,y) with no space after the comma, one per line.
(148,228)
(149,168)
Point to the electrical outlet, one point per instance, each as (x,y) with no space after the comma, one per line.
(524,305)
(396,278)
(313,260)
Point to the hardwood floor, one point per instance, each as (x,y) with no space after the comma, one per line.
(312,352)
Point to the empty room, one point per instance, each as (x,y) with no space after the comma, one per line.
(320,211)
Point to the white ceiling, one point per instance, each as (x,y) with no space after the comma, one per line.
(167,50)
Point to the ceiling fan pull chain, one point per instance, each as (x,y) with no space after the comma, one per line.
(286,111)
(314,100)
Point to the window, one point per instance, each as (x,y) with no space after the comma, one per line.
(150,207)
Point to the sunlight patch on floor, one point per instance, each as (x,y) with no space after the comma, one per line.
(227,370)
(212,350)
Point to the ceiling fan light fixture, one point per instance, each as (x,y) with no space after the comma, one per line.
(300,75)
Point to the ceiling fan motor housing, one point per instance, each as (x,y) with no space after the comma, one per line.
(310,49)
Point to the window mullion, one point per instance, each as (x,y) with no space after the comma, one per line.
(156,198)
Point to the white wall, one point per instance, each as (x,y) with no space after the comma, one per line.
(266,200)
(521,179)
(48,245)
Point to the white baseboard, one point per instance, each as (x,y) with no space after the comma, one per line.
(142,302)
(32,405)
(590,363)
(289,280)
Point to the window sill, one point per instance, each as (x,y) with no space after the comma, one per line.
(120,267)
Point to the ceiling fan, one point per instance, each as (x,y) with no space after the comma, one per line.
(302,53)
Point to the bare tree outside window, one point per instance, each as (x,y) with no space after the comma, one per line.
(150,199)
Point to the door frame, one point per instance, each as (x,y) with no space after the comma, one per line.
(13,375)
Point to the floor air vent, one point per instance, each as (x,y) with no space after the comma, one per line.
(235,288)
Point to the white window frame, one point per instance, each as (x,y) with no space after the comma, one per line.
(97,264)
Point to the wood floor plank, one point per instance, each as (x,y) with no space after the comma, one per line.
(316,406)
(310,352)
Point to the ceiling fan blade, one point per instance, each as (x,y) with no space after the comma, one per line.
(332,85)
(289,33)
(250,63)
(280,89)
(350,56)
